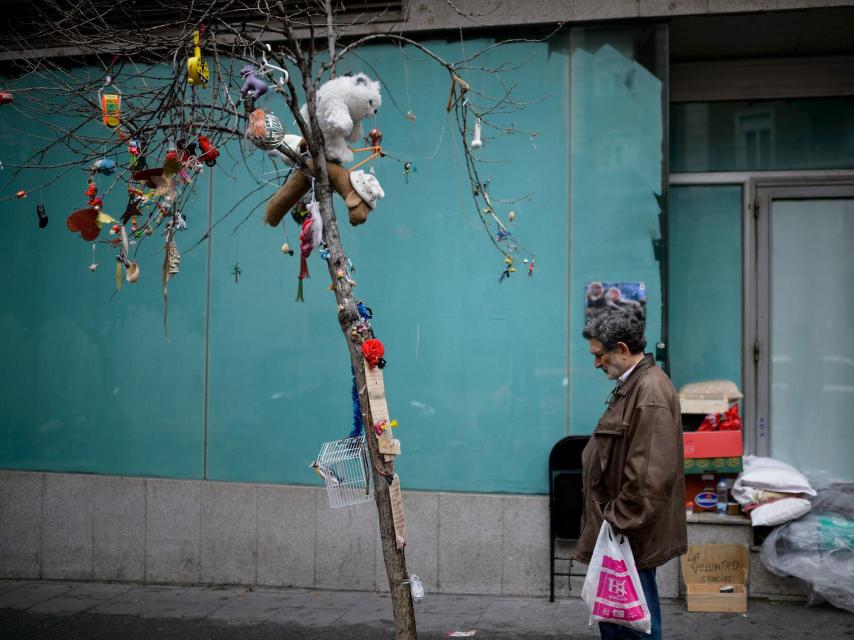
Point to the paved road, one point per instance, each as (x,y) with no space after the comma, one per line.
(93,611)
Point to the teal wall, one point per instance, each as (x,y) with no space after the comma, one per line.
(705,274)
(88,383)
(477,372)
(616,134)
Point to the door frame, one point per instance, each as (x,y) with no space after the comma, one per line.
(765,193)
(756,434)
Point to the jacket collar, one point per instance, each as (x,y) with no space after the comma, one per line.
(647,362)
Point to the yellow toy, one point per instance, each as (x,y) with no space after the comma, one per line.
(197,68)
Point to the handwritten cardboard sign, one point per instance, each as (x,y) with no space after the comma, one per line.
(376,393)
(716,577)
(715,564)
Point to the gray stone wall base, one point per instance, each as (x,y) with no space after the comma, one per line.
(108,528)
(86,527)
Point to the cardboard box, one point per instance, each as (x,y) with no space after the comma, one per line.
(715,396)
(719,466)
(712,444)
(707,568)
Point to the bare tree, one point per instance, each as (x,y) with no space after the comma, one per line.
(162,82)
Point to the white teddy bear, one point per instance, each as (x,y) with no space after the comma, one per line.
(342,103)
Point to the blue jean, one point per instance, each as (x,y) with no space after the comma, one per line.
(610,631)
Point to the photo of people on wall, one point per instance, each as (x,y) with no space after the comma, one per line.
(601,296)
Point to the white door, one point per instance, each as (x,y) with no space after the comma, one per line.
(805,328)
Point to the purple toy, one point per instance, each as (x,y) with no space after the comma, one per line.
(252,84)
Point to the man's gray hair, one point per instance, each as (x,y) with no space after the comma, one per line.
(615,326)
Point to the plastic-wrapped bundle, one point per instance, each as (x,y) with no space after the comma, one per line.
(819,548)
(837,498)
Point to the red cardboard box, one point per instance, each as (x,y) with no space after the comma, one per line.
(712,444)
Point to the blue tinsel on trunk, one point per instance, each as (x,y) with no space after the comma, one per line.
(357,410)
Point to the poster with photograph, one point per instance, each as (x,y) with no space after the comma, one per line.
(601,296)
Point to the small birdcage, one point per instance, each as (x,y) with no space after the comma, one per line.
(344,465)
(265,130)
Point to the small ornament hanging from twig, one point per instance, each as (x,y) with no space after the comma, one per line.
(94,266)
(408,170)
(508,269)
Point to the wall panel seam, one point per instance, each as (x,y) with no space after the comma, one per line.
(145,531)
(41,526)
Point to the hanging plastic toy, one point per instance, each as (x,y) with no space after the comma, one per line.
(253,86)
(310,237)
(508,269)
(111,104)
(408,170)
(94,200)
(197,68)
(417,590)
(374,137)
(42,216)
(209,152)
(476,142)
(134,152)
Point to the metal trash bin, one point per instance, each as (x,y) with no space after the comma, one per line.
(566,502)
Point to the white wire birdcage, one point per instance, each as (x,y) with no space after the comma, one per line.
(265,130)
(344,465)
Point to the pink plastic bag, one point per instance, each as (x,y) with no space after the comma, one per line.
(612,588)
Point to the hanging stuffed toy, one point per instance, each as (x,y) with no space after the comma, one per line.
(341,105)
(360,191)
(253,86)
(104,166)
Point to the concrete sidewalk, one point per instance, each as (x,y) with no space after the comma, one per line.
(95,611)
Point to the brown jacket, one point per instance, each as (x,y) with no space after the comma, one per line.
(633,470)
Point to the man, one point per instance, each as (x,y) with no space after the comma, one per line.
(632,466)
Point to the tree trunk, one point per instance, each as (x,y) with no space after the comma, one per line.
(395,560)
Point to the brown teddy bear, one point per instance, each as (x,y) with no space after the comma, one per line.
(359,190)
